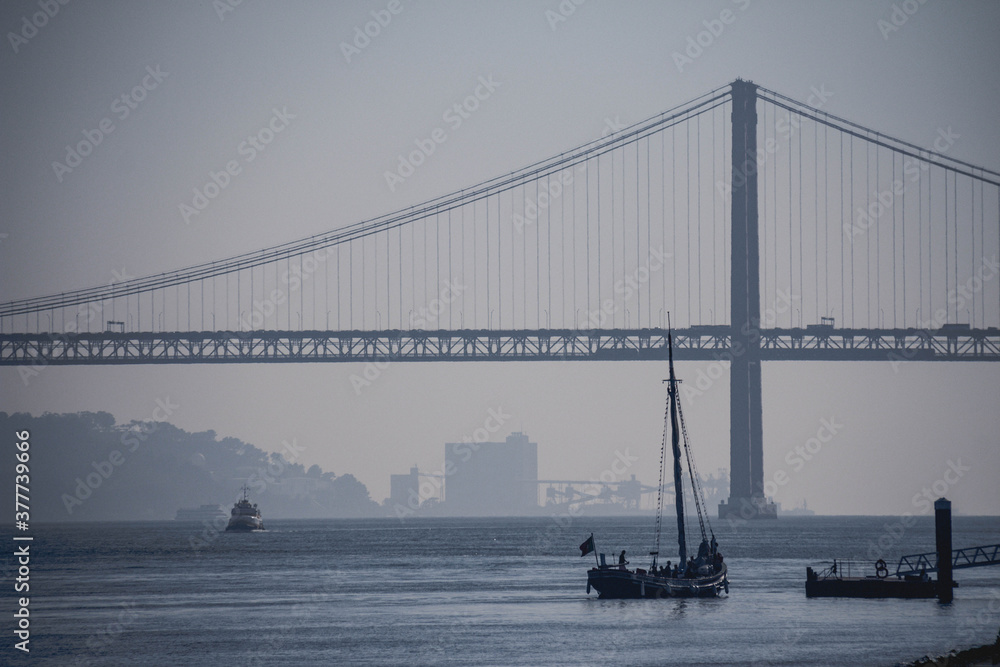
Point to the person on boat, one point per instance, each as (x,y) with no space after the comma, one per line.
(703,552)
(621,560)
(667,574)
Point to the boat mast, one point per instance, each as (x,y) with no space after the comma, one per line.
(675,443)
(663,470)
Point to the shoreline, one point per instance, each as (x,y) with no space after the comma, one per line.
(985,655)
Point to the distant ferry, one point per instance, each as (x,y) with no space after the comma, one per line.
(799,511)
(210,513)
(245,516)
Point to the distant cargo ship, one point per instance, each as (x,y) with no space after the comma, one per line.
(210,513)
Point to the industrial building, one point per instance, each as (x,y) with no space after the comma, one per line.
(404,490)
(491,478)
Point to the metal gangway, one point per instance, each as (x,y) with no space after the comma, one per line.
(960,558)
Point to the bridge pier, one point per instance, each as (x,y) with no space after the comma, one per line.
(746,430)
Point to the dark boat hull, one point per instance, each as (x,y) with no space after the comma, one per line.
(244,525)
(871,587)
(611,582)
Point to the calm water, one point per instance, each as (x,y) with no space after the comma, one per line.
(473,591)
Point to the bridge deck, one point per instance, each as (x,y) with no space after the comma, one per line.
(704,343)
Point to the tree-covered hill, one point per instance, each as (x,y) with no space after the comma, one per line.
(85,467)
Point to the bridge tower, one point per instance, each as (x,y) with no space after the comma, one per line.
(746,454)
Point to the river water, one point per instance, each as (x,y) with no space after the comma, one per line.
(475,591)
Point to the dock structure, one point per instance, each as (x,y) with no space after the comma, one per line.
(960,559)
(911,578)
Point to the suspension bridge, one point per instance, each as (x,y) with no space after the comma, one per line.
(767,228)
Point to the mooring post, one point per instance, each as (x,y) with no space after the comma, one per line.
(942,529)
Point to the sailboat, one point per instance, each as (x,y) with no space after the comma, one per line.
(704,575)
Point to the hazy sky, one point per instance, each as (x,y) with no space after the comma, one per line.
(213,77)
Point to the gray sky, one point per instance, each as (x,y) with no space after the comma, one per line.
(222,77)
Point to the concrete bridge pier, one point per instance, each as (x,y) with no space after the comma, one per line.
(746,431)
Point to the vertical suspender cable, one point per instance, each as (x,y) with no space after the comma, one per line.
(802,284)
(687,211)
(638,297)
(488,319)
(649,222)
(715,249)
(947,268)
(791,256)
(698,221)
(826,221)
(892,184)
(614,311)
(450,294)
(816,219)
(663,221)
(902,216)
(954,198)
